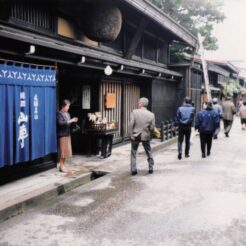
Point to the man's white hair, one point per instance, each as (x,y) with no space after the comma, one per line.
(144,101)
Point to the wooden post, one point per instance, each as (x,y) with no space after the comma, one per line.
(136,38)
(205,69)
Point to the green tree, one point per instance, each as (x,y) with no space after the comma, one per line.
(232,87)
(196,16)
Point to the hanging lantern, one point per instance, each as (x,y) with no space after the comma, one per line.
(102,23)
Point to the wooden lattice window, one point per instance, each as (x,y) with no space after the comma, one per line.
(32,14)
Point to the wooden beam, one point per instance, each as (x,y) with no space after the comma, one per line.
(136,38)
(93,53)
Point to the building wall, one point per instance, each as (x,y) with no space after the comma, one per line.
(196,84)
(164,100)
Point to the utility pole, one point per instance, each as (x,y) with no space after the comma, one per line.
(204,67)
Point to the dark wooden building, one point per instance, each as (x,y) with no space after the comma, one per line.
(98,49)
(193,80)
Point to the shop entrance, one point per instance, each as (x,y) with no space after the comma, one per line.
(126,99)
(81,87)
(89,92)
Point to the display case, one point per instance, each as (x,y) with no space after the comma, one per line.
(100,134)
(98,125)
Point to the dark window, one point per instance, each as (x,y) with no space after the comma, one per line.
(196,81)
(150,48)
(162,52)
(31,14)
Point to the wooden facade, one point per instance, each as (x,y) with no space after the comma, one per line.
(193,80)
(127,95)
(139,56)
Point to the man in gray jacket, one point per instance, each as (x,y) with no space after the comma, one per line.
(229,110)
(142,123)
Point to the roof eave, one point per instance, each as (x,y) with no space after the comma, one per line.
(164,20)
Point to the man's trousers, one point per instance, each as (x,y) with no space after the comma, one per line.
(147,148)
(184,132)
(206,140)
(227,126)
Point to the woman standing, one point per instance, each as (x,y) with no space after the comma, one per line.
(207,120)
(64,122)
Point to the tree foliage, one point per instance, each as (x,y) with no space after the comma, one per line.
(233,87)
(196,16)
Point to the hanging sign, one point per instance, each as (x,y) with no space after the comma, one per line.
(28,106)
(86,97)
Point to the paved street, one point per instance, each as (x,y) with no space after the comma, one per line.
(193,201)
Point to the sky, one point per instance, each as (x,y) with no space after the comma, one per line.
(231,34)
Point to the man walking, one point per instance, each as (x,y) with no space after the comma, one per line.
(185,117)
(217,107)
(242,115)
(142,123)
(229,110)
(207,120)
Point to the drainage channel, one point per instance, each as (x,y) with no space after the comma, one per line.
(48,196)
(98,174)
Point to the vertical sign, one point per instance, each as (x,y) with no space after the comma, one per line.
(22,123)
(86,97)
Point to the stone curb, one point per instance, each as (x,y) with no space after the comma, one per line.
(51,192)
(44,195)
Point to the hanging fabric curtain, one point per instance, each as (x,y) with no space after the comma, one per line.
(28,113)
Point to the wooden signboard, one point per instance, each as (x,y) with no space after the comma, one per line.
(110,100)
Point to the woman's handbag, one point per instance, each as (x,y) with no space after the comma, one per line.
(75,128)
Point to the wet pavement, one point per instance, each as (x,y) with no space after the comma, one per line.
(192,201)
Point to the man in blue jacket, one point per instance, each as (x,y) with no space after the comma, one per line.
(207,120)
(185,117)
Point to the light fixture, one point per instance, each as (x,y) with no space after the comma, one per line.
(159,74)
(143,71)
(108,70)
(82,59)
(31,50)
(120,67)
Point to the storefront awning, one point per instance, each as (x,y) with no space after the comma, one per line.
(218,70)
(92,53)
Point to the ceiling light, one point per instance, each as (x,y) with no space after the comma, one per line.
(31,50)
(82,59)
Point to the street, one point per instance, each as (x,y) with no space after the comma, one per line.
(192,201)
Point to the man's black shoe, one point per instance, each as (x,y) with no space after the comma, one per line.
(179,156)
(134,173)
(187,155)
(203,155)
(208,153)
(215,137)
(227,135)
(151,171)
